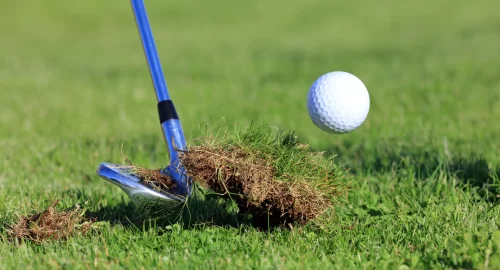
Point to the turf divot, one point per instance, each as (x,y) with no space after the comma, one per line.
(274,178)
(50,225)
(155,178)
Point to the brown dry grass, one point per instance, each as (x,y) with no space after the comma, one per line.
(278,183)
(50,225)
(249,179)
(155,179)
(152,177)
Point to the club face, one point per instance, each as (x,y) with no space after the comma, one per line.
(148,201)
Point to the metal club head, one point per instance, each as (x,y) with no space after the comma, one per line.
(149,201)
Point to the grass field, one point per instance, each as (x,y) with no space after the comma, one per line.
(75,90)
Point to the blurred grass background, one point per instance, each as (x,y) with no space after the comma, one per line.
(74,87)
(77,70)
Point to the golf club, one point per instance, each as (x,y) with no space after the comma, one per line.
(149,201)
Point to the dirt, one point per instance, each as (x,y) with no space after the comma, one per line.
(156,179)
(249,180)
(50,225)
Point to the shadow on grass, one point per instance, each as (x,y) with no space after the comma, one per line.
(199,210)
(472,169)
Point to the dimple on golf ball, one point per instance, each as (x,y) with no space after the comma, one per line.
(338,102)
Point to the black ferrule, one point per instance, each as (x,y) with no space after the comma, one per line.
(166,111)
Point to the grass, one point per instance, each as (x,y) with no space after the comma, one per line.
(75,92)
(50,225)
(273,177)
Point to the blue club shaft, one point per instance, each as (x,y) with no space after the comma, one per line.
(150,51)
(171,126)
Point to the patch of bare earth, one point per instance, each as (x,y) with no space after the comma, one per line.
(249,179)
(51,225)
(156,179)
(152,177)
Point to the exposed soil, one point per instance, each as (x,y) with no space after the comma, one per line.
(50,225)
(249,180)
(156,179)
(152,177)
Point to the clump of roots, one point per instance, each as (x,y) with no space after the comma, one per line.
(250,179)
(278,181)
(50,225)
(154,178)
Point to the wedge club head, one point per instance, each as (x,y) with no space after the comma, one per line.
(149,201)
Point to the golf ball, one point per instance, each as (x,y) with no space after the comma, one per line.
(338,102)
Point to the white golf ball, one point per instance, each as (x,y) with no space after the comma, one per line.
(338,102)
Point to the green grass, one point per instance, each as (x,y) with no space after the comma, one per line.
(75,89)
